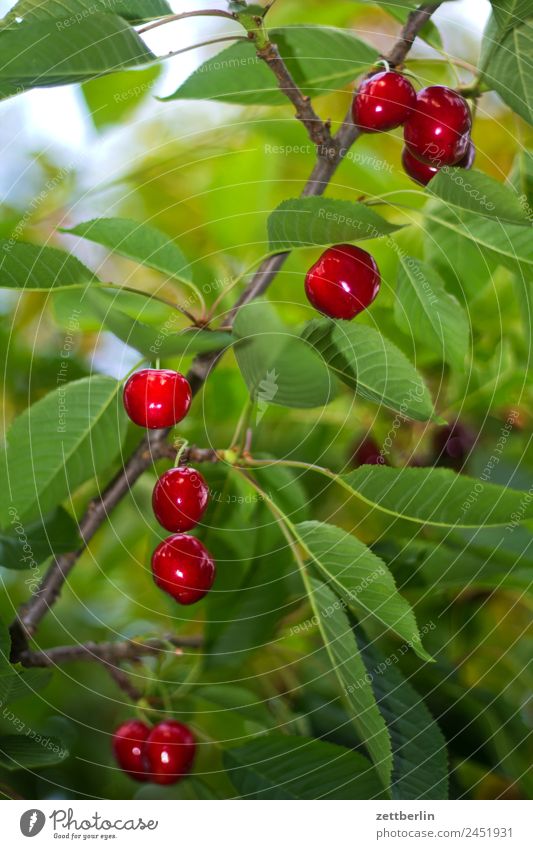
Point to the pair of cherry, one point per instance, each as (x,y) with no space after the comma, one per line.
(163,754)
(181,564)
(436,122)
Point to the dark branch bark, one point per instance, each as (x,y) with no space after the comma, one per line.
(109,653)
(412,27)
(317,130)
(154,445)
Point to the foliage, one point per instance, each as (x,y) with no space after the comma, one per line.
(364,636)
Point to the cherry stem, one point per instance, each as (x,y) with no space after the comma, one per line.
(382,62)
(211,13)
(181,450)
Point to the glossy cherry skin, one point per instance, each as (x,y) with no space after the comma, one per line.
(438,129)
(128,746)
(368,453)
(170,750)
(180,499)
(468,159)
(157,397)
(418,171)
(383,102)
(183,568)
(343,282)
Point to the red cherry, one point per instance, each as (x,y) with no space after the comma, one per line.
(180,499)
(420,172)
(468,159)
(383,102)
(368,453)
(170,751)
(183,568)
(343,282)
(157,397)
(437,130)
(128,747)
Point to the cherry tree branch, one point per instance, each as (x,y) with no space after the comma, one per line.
(317,130)
(111,653)
(153,446)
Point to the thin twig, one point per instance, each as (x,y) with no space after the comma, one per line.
(317,130)
(154,444)
(123,682)
(112,653)
(212,13)
(412,27)
(206,43)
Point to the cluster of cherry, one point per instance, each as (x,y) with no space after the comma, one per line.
(437,123)
(342,283)
(181,564)
(163,754)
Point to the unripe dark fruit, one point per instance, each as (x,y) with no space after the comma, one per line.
(368,452)
(452,444)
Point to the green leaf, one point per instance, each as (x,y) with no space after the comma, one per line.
(426,310)
(230,698)
(257,607)
(466,267)
(42,54)
(277,365)
(155,341)
(437,496)
(363,359)
(36,268)
(320,59)
(25,547)
(19,751)
(140,242)
(429,31)
(420,763)
(300,222)
(458,565)
(506,241)
(361,578)
(507,62)
(347,664)
(479,193)
(69,436)
(510,13)
(16,685)
(277,766)
(190,788)
(114,97)
(134,11)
